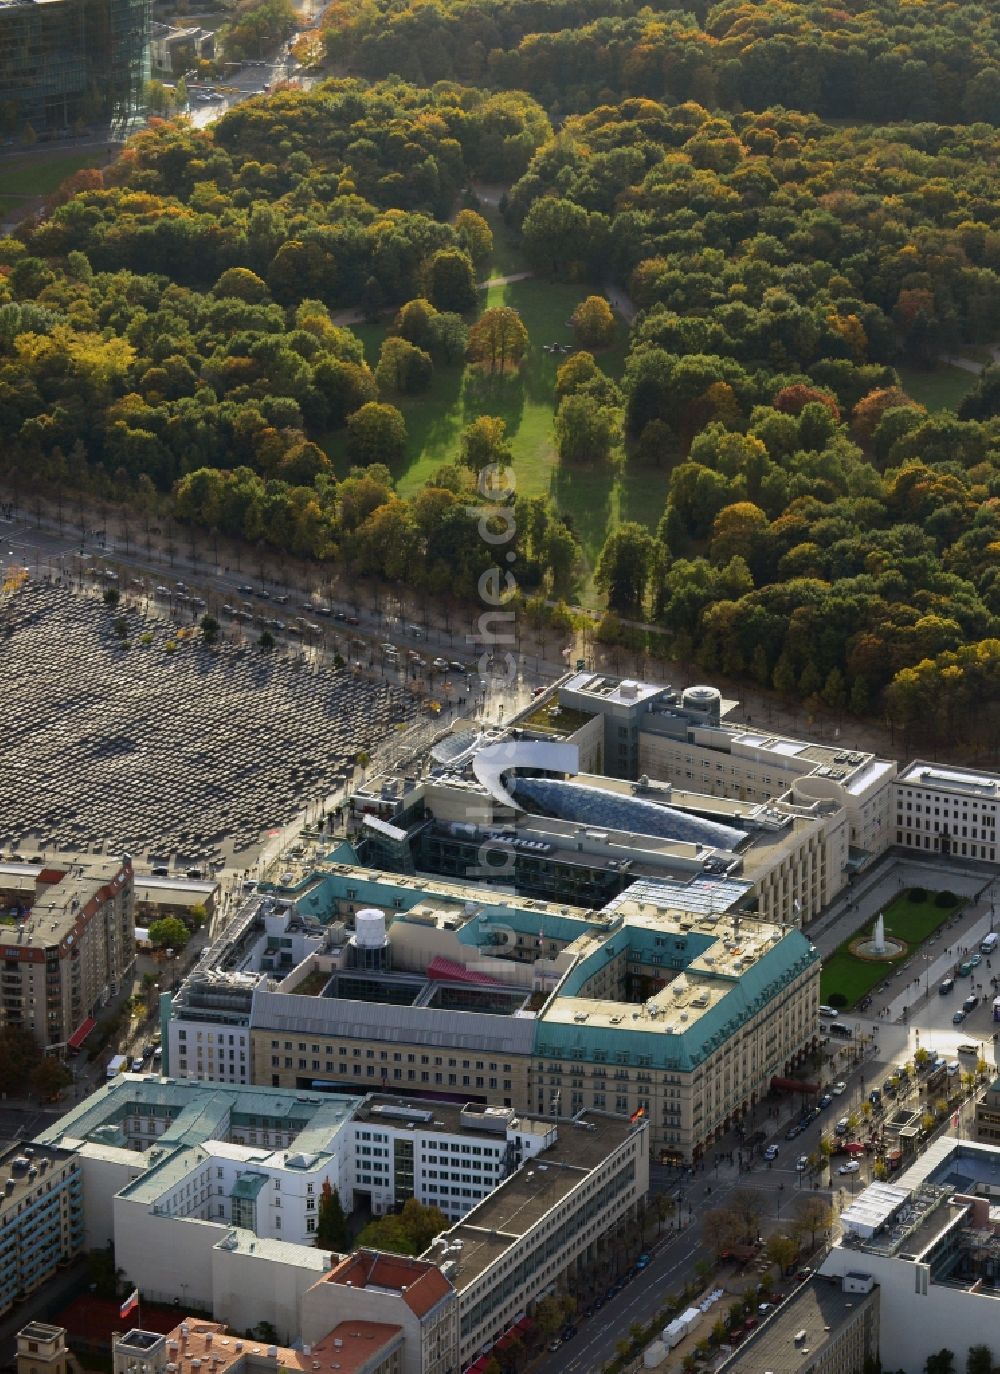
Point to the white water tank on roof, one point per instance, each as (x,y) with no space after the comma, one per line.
(369,928)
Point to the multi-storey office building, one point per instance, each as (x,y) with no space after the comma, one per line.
(684,738)
(930,1240)
(71,946)
(69,61)
(527,1238)
(948,811)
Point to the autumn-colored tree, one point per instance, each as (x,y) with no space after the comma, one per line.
(498,340)
(593,322)
(870,409)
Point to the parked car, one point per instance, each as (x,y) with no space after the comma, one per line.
(771,1152)
(825,1101)
(970,1003)
(838,1088)
(958,1018)
(842,1126)
(948,985)
(802,1163)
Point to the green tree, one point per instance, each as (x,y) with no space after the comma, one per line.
(813,1215)
(942,1362)
(556,236)
(585,430)
(979,1360)
(210,628)
(408,1232)
(475,236)
(624,566)
(403,368)
(111,597)
(451,281)
(485,442)
(50,1077)
(376,434)
(782,1251)
(19,1058)
(332,1230)
(169,933)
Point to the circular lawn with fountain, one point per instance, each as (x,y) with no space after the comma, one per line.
(872,954)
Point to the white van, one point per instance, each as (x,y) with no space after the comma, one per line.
(117,1065)
(989,943)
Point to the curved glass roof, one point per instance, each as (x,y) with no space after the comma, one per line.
(571,801)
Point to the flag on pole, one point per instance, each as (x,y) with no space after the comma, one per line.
(130,1304)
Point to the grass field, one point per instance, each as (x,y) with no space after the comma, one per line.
(906,919)
(595,499)
(23,177)
(939,388)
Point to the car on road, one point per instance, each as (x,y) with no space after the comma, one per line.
(851,1167)
(947,986)
(958,1018)
(771,1152)
(802,1163)
(875,1097)
(842,1126)
(353,620)
(838,1088)
(793,1131)
(824,1101)
(975,960)
(970,1003)
(246,589)
(137,1064)
(160,871)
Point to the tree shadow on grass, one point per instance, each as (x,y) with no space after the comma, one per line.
(500,396)
(583,493)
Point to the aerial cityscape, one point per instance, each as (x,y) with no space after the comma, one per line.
(500,749)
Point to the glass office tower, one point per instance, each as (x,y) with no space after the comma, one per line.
(69,61)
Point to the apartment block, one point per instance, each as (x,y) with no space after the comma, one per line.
(70,946)
(41,1217)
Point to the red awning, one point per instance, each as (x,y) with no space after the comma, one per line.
(855,1148)
(81,1033)
(793,1085)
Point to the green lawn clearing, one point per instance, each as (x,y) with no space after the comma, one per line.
(595,499)
(906,919)
(38,174)
(937,388)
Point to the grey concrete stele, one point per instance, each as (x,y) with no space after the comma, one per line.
(137,747)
